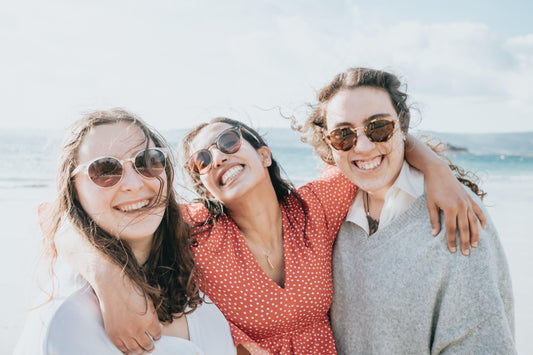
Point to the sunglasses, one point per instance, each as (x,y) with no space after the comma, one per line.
(228,141)
(344,138)
(108,171)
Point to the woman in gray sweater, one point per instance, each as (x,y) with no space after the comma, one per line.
(396,290)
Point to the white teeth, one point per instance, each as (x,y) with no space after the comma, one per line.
(134,206)
(368,164)
(230,174)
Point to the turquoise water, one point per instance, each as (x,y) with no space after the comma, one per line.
(30,158)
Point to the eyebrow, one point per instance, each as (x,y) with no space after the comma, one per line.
(368,119)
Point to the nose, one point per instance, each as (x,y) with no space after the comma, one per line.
(218,157)
(131,179)
(363,143)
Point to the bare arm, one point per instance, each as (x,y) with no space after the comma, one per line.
(124,306)
(446,193)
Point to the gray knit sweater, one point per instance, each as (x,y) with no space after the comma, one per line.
(400,291)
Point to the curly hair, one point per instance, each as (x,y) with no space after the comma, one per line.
(169,275)
(314,129)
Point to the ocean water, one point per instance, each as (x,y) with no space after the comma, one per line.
(30,156)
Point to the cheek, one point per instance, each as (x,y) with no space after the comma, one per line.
(95,202)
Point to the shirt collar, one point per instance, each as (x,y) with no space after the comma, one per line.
(409,185)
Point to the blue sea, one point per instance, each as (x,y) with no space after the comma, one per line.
(30,156)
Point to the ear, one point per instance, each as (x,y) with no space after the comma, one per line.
(266,156)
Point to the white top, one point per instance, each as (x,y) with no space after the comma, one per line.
(406,189)
(74,325)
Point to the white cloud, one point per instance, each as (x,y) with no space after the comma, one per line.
(177,62)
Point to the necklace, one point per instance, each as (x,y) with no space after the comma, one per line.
(373,224)
(268,260)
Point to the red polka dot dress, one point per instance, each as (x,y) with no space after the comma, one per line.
(265,317)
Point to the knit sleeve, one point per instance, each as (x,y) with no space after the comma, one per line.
(476,314)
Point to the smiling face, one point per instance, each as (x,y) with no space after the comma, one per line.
(122,210)
(372,166)
(232,176)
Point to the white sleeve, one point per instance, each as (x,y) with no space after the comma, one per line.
(210,331)
(77,328)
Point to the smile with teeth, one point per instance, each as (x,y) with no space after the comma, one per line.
(230,174)
(134,206)
(368,164)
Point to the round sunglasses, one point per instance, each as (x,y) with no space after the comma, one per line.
(109,171)
(228,141)
(345,138)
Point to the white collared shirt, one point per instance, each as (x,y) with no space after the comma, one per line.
(406,189)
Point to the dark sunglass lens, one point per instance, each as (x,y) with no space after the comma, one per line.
(150,163)
(380,130)
(200,161)
(229,142)
(105,172)
(342,139)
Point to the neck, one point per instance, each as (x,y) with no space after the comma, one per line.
(258,216)
(374,203)
(141,249)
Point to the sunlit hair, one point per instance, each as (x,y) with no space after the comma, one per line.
(169,276)
(282,187)
(315,127)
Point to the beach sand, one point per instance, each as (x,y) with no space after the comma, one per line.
(508,201)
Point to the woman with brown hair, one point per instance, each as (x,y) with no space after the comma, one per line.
(396,290)
(263,246)
(115,188)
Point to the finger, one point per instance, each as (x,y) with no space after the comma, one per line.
(479,213)
(474,229)
(155,329)
(450,222)
(133,347)
(120,345)
(434,219)
(145,342)
(464,232)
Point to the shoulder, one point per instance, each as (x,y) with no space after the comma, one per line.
(195,213)
(331,187)
(78,321)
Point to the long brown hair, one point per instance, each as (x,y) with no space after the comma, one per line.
(315,127)
(169,275)
(282,187)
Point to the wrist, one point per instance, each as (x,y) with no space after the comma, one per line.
(104,276)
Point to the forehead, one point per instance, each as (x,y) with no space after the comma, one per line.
(208,134)
(355,106)
(119,140)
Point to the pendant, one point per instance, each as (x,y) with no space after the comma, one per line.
(269,262)
(372,225)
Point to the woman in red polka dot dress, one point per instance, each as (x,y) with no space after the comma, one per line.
(263,247)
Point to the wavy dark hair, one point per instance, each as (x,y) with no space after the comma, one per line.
(315,127)
(282,187)
(169,275)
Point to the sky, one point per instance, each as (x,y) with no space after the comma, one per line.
(467,65)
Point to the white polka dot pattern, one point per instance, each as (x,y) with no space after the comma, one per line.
(262,315)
